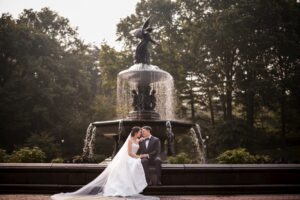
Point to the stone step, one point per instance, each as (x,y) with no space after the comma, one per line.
(177,179)
(160,190)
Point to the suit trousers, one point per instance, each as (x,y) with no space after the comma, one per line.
(156,162)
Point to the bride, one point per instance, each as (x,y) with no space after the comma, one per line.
(123,177)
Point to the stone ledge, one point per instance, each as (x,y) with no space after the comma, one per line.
(179,166)
(176,179)
(160,190)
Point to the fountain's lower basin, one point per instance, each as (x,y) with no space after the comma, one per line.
(165,130)
(119,130)
(111,128)
(50,178)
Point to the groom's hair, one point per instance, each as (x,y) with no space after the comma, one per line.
(147,128)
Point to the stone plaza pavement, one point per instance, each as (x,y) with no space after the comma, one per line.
(185,197)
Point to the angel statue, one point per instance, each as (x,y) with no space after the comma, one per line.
(142,54)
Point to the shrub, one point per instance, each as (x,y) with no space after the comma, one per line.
(234,134)
(181,158)
(57,160)
(46,142)
(27,155)
(262,159)
(241,156)
(3,156)
(185,144)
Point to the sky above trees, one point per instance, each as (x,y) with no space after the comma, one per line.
(96,20)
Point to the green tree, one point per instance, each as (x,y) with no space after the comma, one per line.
(48,79)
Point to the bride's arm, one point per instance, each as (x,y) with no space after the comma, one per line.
(130,150)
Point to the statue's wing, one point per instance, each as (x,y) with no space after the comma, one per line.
(137,33)
(147,23)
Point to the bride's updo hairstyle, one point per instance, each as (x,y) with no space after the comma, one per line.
(134,130)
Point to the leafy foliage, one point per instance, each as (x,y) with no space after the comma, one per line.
(241,156)
(3,156)
(181,158)
(46,143)
(57,160)
(27,155)
(234,134)
(48,80)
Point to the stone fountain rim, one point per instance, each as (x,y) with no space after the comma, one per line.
(141,67)
(117,121)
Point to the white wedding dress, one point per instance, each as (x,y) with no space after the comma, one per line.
(123,177)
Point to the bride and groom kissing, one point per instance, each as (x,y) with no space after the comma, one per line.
(128,172)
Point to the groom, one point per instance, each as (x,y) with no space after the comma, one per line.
(150,147)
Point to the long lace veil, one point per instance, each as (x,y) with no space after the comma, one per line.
(96,186)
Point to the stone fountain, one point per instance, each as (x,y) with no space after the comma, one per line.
(144,97)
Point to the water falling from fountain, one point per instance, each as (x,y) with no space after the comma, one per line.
(199,143)
(89,141)
(195,142)
(165,96)
(159,80)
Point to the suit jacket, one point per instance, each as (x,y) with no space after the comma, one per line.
(153,149)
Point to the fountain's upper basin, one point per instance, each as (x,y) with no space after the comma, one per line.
(158,127)
(144,73)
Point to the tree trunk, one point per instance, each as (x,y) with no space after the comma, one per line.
(250,94)
(283,121)
(224,106)
(282,101)
(211,108)
(228,94)
(250,107)
(229,103)
(192,101)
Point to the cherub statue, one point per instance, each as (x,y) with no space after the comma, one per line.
(142,54)
(171,139)
(152,100)
(135,102)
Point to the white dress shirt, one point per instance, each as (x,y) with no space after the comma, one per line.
(147,142)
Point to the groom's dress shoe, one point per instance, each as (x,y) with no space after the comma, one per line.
(150,183)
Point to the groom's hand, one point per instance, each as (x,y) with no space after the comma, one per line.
(144,156)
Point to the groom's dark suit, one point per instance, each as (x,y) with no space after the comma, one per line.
(153,150)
